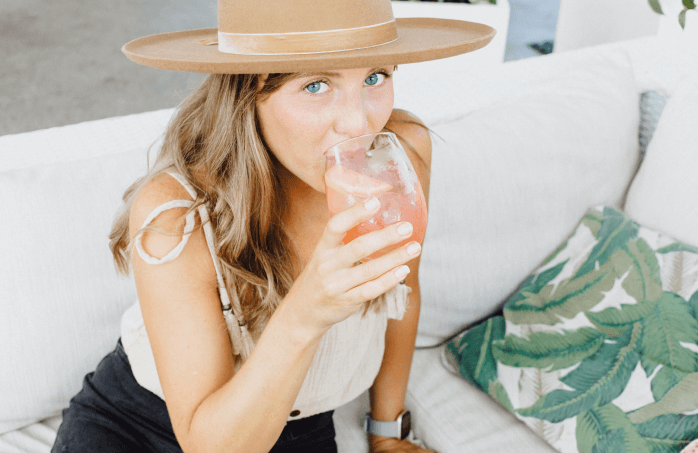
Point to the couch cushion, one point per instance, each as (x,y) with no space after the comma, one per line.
(510,180)
(597,349)
(449,415)
(36,438)
(663,194)
(62,299)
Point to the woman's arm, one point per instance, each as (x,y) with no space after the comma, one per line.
(211,407)
(389,388)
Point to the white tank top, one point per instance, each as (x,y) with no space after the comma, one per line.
(344,366)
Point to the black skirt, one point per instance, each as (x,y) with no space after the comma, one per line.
(114,414)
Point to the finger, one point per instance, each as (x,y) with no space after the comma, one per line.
(377,267)
(369,243)
(342,222)
(374,288)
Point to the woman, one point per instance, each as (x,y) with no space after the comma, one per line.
(253,320)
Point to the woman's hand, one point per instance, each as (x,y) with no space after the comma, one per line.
(380,444)
(331,287)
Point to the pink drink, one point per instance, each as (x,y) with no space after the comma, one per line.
(395,185)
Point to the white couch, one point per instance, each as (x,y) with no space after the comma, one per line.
(528,147)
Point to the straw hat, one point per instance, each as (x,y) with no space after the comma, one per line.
(270,36)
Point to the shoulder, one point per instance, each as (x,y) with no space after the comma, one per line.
(413,135)
(159,190)
(169,225)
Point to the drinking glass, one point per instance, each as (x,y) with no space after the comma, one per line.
(375,165)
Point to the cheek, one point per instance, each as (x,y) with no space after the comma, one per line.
(293,133)
(380,109)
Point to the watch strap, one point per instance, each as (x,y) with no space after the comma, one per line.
(385,429)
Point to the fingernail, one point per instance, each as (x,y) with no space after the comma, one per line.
(414,248)
(405,229)
(402,271)
(372,204)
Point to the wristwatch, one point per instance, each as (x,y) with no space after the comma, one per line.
(399,429)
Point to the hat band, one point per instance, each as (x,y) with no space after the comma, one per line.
(307,42)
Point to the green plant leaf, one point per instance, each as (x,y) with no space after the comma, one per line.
(548,349)
(535,282)
(644,281)
(682,18)
(693,305)
(670,323)
(608,429)
(656,6)
(567,300)
(598,380)
(678,247)
(670,432)
(588,432)
(474,352)
(614,321)
(689,4)
(616,230)
(593,221)
(497,392)
(664,380)
(679,399)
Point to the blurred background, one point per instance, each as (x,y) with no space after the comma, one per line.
(62,61)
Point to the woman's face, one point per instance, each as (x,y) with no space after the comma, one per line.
(311,113)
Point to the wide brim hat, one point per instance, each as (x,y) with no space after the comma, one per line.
(276,36)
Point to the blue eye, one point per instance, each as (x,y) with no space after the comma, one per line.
(314,87)
(373,79)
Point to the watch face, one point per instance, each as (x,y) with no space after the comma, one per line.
(405,425)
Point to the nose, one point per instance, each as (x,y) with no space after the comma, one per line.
(352,118)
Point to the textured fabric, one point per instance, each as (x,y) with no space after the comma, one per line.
(663,195)
(114,414)
(451,416)
(510,182)
(346,361)
(598,349)
(35,438)
(60,296)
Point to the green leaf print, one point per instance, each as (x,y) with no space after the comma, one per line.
(593,221)
(616,230)
(588,432)
(678,247)
(644,281)
(598,380)
(534,283)
(693,305)
(664,380)
(545,349)
(608,429)
(666,326)
(567,300)
(681,398)
(497,392)
(614,321)
(477,364)
(669,433)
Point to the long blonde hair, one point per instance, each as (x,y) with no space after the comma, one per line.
(216,131)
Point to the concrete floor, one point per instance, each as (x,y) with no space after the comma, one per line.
(61,63)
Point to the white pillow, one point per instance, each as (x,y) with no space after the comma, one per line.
(61,299)
(512,179)
(664,194)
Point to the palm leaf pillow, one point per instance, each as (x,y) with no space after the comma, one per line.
(597,350)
